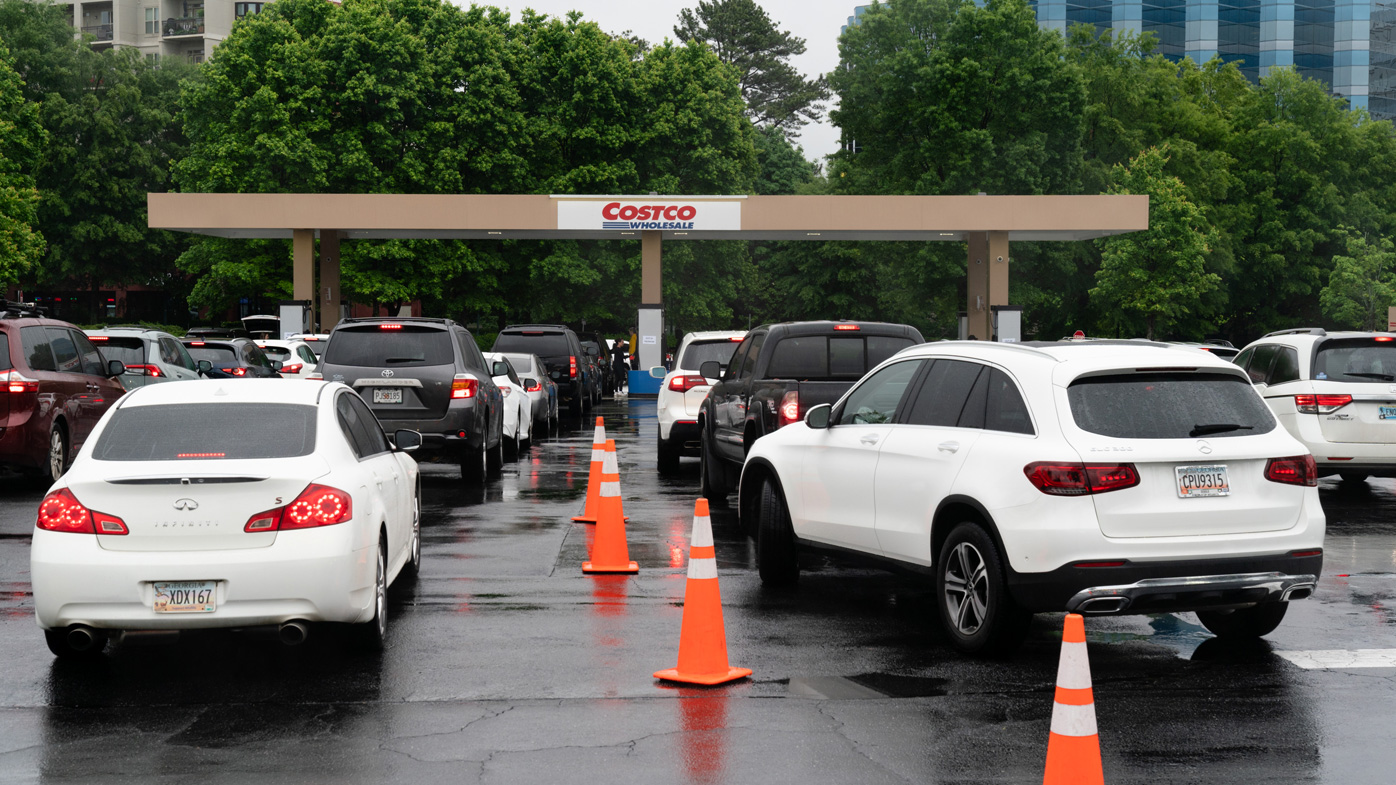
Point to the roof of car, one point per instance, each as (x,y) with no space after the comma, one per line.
(227,391)
(820,327)
(1074,358)
(134,332)
(423,320)
(715,335)
(1311,334)
(558,327)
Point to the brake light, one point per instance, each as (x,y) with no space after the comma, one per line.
(1384,338)
(100,338)
(201,455)
(295,368)
(1080,479)
(463,386)
(318,505)
(17,382)
(144,370)
(686,382)
(847,327)
(265,521)
(1320,404)
(572,371)
(736,340)
(789,408)
(310,338)
(535,387)
(1298,470)
(390,327)
(196,343)
(60,511)
(234,371)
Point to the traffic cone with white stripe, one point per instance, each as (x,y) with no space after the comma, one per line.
(702,641)
(598,456)
(610,553)
(1073,750)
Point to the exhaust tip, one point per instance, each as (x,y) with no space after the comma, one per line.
(83,639)
(1103,605)
(293,633)
(1297,593)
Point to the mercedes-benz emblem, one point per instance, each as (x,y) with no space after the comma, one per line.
(387,374)
(1204,448)
(186,504)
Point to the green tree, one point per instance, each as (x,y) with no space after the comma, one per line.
(1157,276)
(744,37)
(21,142)
(1362,285)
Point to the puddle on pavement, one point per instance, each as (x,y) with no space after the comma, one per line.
(1180,632)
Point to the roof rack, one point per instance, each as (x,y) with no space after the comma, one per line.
(1298,331)
(16,310)
(422,319)
(547,326)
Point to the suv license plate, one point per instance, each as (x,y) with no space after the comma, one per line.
(1201,481)
(184,596)
(1386,412)
(387,395)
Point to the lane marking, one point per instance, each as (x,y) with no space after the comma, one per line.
(1337,659)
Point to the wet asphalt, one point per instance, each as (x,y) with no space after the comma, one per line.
(505,664)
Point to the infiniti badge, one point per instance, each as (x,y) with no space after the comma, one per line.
(186,504)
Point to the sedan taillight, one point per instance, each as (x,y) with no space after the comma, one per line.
(1297,470)
(1320,404)
(686,382)
(60,511)
(293,368)
(318,505)
(1080,479)
(535,387)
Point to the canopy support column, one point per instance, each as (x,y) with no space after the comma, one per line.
(303,267)
(650,320)
(330,296)
(986,280)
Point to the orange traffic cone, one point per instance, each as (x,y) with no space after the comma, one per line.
(1073,749)
(610,553)
(598,456)
(702,642)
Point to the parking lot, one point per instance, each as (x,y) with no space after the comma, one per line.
(506,664)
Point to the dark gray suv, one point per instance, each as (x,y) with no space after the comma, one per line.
(425,375)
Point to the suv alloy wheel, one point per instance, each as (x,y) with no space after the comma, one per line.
(976,610)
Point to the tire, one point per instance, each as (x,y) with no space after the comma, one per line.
(1253,622)
(1353,478)
(777,559)
(371,634)
(711,478)
(510,448)
(413,567)
(574,406)
(473,467)
(668,457)
(494,459)
(971,590)
(57,462)
(62,647)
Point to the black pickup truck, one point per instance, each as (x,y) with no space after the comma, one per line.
(778,372)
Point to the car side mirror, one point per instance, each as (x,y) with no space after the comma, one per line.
(712,369)
(276,364)
(407,440)
(527,383)
(658,372)
(204,366)
(115,367)
(818,416)
(500,368)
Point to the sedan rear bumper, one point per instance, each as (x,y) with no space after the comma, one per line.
(1198,592)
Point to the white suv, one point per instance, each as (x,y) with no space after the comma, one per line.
(1335,392)
(1102,478)
(682,392)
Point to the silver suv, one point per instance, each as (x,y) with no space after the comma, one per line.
(1335,392)
(151,356)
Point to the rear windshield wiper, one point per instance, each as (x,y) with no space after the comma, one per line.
(1386,377)
(1217,427)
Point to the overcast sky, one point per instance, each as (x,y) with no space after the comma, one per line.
(816,21)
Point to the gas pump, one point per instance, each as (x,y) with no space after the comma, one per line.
(295,317)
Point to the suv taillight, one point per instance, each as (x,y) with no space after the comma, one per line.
(144,370)
(789,408)
(572,370)
(1080,479)
(463,386)
(1297,470)
(17,382)
(1320,404)
(60,511)
(686,382)
(318,505)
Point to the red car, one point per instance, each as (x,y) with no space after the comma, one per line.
(57,386)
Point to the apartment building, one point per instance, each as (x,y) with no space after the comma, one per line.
(160,28)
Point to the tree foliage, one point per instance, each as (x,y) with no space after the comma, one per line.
(1362,285)
(21,140)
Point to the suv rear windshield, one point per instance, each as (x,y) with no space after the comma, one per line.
(130,351)
(1168,406)
(410,346)
(220,354)
(831,357)
(539,342)
(208,431)
(709,351)
(1356,360)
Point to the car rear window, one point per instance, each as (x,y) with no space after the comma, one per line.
(826,357)
(539,342)
(220,354)
(276,352)
(1356,360)
(130,351)
(708,351)
(207,431)
(410,346)
(1168,405)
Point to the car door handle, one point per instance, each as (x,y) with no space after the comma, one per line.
(870,439)
(948,447)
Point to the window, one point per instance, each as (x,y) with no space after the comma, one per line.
(881,347)
(253,356)
(182,354)
(1244,358)
(1259,367)
(220,354)
(877,400)
(696,353)
(306,355)
(1286,368)
(208,431)
(748,368)
(470,354)
(130,351)
(360,427)
(37,351)
(540,342)
(945,390)
(1355,360)
(831,357)
(152,21)
(800,357)
(65,352)
(735,367)
(245,9)
(92,362)
(1168,406)
(1006,410)
(846,357)
(410,347)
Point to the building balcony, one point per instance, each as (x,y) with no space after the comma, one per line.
(101,33)
(176,28)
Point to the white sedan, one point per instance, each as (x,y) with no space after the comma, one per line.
(518,407)
(257,504)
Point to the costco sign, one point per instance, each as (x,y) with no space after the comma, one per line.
(649,215)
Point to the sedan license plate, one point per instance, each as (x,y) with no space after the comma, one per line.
(185,597)
(1386,412)
(387,395)
(1202,481)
